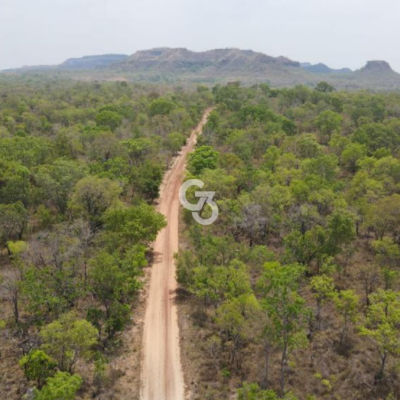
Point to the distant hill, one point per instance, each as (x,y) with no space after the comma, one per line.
(324,69)
(92,62)
(181,65)
(184,60)
(73,64)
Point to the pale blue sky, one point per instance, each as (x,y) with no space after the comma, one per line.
(340,33)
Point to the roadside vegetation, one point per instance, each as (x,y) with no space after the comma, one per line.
(80,169)
(294,291)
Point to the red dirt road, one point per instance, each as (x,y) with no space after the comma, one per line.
(162,376)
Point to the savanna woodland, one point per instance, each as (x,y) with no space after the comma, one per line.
(293,293)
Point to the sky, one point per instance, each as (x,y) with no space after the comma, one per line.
(339,33)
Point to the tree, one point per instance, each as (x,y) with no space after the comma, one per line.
(251,391)
(387,254)
(37,366)
(13,220)
(285,310)
(382,325)
(323,288)
(174,142)
(346,302)
(161,106)
(55,182)
(126,226)
(109,119)
(341,230)
(384,217)
(92,196)
(63,386)
(146,180)
(329,122)
(324,87)
(68,339)
(203,157)
(376,136)
(216,284)
(352,153)
(304,248)
(139,150)
(307,146)
(52,276)
(236,317)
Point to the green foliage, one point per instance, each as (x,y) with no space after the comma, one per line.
(346,302)
(324,87)
(92,196)
(381,325)
(285,309)
(13,219)
(63,386)
(161,106)
(202,158)
(109,119)
(137,224)
(215,284)
(69,339)
(329,122)
(37,366)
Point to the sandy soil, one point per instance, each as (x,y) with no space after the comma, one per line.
(162,375)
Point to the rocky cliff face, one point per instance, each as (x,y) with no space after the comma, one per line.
(171,60)
(377,66)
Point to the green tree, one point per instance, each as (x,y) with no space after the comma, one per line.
(109,119)
(341,230)
(55,182)
(63,386)
(323,288)
(215,284)
(346,302)
(13,220)
(329,122)
(387,254)
(69,339)
(324,87)
(352,153)
(174,142)
(251,391)
(126,226)
(236,318)
(37,366)
(384,217)
(92,196)
(161,106)
(382,325)
(285,309)
(202,158)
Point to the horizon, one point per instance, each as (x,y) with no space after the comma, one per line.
(195,51)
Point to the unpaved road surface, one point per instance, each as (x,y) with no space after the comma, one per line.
(162,376)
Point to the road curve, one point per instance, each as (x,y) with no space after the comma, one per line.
(162,376)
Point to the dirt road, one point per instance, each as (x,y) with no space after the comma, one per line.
(162,376)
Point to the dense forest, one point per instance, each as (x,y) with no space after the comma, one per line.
(294,291)
(80,168)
